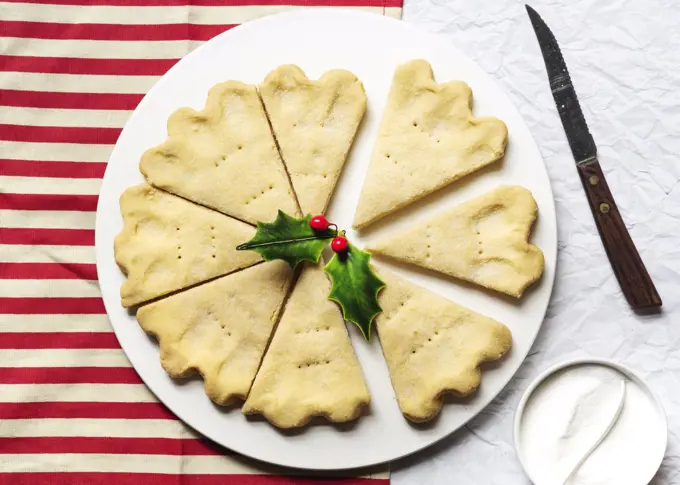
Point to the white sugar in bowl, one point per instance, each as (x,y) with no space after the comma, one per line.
(590,422)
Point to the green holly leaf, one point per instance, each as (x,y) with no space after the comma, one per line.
(355,288)
(289,239)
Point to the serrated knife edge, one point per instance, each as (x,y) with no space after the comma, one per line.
(634,280)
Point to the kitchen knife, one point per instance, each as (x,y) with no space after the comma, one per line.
(630,271)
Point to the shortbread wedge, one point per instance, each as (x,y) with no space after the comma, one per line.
(484,241)
(220,329)
(310,368)
(433,346)
(168,243)
(314,123)
(428,139)
(223,157)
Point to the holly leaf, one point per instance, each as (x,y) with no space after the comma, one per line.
(355,288)
(289,239)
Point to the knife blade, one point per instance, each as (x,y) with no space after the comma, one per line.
(631,273)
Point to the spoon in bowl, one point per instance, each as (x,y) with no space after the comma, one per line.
(612,421)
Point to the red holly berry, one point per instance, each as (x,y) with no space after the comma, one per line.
(339,244)
(319,223)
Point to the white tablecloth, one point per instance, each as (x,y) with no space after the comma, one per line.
(624,60)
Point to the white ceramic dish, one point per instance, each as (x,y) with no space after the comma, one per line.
(370,46)
(626,372)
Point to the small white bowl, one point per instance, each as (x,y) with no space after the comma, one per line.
(626,371)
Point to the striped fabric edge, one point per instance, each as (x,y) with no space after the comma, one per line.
(102,478)
(70,403)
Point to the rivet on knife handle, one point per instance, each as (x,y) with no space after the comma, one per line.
(635,282)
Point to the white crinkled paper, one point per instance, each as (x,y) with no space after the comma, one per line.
(624,60)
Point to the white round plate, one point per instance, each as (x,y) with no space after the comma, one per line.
(370,46)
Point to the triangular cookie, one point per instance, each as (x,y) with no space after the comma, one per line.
(428,139)
(168,243)
(223,157)
(433,346)
(483,241)
(314,123)
(221,328)
(310,368)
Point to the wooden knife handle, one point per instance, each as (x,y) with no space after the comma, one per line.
(630,271)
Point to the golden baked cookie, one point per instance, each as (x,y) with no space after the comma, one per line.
(223,157)
(433,346)
(310,368)
(168,244)
(220,329)
(428,139)
(484,241)
(314,123)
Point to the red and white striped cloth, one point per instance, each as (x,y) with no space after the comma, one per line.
(72,410)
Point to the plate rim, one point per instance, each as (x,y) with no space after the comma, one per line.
(333,11)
